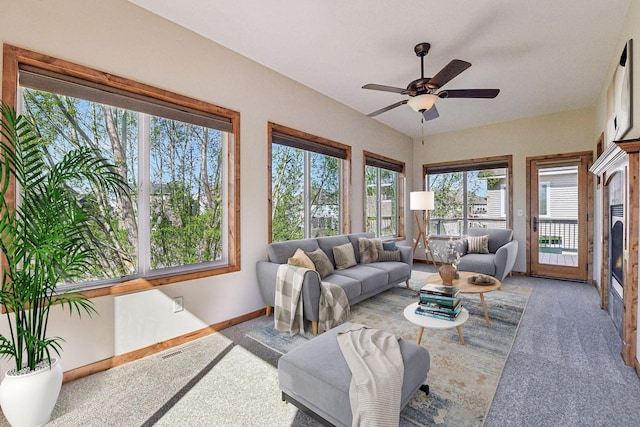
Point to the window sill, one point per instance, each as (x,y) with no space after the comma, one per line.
(142,283)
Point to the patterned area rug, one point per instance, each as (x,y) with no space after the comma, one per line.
(462,378)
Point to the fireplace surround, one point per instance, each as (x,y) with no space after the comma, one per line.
(618,171)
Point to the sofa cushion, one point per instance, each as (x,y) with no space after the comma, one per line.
(368,249)
(498,237)
(478,244)
(324,267)
(329,242)
(300,259)
(280,252)
(370,278)
(352,287)
(397,271)
(344,256)
(478,263)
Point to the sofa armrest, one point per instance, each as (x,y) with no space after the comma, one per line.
(267,272)
(406,255)
(505,259)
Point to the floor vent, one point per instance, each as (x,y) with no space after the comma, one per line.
(180,350)
(175,353)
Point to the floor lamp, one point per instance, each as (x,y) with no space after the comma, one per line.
(422,201)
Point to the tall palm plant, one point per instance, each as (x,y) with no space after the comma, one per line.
(44,236)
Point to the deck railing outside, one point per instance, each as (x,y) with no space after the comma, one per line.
(555,235)
(455,226)
(558,235)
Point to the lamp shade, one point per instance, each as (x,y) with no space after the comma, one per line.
(421,200)
(422,102)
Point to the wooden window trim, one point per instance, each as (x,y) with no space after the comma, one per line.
(345,178)
(400,189)
(480,161)
(14,56)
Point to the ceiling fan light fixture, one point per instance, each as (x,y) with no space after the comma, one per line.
(422,102)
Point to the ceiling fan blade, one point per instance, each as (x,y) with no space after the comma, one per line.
(387,108)
(430,114)
(469,93)
(385,88)
(451,70)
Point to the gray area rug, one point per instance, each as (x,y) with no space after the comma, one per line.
(462,379)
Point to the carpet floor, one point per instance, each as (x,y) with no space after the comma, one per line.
(564,368)
(462,378)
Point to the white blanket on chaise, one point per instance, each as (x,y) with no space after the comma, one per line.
(377,373)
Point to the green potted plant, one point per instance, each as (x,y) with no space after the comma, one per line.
(45,241)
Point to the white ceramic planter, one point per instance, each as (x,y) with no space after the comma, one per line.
(28,400)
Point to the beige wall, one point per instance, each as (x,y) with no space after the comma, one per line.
(565,132)
(122,39)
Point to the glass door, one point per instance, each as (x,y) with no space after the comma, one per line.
(558,217)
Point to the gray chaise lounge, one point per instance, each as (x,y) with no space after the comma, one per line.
(315,377)
(359,282)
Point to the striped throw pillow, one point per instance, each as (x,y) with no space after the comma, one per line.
(478,244)
(388,255)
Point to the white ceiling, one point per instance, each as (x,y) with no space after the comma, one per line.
(545,56)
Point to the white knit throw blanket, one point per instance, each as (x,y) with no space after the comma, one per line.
(377,373)
(333,305)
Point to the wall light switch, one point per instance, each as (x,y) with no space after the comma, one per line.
(520,212)
(178,304)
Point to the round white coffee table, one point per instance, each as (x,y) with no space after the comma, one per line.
(435,323)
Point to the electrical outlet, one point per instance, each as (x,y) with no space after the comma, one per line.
(178,304)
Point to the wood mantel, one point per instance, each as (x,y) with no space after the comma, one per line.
(623,156)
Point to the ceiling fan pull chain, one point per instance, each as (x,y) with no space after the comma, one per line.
(422,122)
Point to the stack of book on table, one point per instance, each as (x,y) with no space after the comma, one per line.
(439,301)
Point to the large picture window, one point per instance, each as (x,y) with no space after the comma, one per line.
(383,180)
(178,155)
(308,175)
(469,194)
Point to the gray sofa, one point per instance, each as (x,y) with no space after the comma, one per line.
(359,282)
(501,257)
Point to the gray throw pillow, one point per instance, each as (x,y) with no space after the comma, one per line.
(344,256)
(321,261)
(369,249)
(388,255)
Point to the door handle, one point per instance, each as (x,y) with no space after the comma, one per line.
(535,224)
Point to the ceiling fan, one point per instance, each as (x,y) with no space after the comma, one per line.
(425,91)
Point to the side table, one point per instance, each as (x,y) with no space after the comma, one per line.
(434,322)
